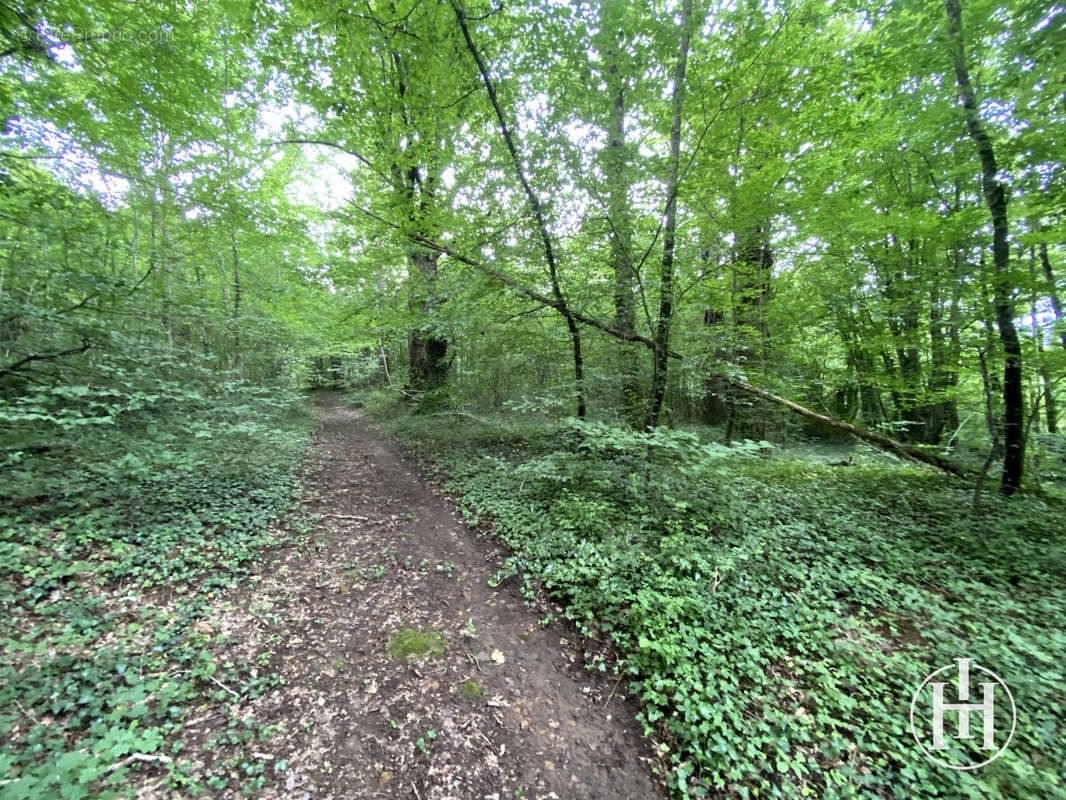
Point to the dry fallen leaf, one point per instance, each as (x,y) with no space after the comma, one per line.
(497,656)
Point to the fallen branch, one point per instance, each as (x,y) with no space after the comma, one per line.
(22,362)
(27,714)
(224,686)
(871,437)
(201,720)
(146,757)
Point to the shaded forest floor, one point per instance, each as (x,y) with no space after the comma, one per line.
(198,603)
(409,671)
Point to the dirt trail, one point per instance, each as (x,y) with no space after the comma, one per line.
(506,711)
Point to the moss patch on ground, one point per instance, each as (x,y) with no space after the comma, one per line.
(470,689)
(410,644)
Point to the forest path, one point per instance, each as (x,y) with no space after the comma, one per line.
(505,711)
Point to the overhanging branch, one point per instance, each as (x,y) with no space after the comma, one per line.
(873,438)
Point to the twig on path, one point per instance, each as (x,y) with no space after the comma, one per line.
(202,720)
(474,659)
(224,686)
(415,790)
(151,787)
(27,714)
(147,757)
(347,516)
(615,689)
(489,743)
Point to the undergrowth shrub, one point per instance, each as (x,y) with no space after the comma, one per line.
(776,617)
(128,500)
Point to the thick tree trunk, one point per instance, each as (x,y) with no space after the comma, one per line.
(661,353)
(714,408)
(750,290)
(428,363)
(996,200)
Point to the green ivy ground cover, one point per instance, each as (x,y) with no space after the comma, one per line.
(111,546)
(776,617)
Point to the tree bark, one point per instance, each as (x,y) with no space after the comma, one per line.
(942,412)
(750,290)
(661,352)
(1052,289)
(996,200)
(1048,395)
(621,234)
(428,363)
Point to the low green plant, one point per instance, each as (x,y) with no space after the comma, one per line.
(423,743)
(166,482)
(470,689)
(775,617)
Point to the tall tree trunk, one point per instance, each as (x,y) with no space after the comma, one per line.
(903,322)
(621,230)
(714,407)
(750,290)
(427,353)
(942,413)
(661,355)
(1052,289)
(1050,412)
(235,264)
(996,200)
(1050,409)
(993,412)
